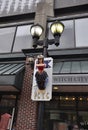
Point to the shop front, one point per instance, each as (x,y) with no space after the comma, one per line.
(68,109)
(66,112)
(11,80)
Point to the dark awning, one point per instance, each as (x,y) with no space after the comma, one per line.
(11,76)
(70,75)
(70,67)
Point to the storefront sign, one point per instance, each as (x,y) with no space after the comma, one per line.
(70,79)
(42,80)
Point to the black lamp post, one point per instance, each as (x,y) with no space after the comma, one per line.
(36,31)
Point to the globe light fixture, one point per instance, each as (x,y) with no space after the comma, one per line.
(57,28)
(36,31)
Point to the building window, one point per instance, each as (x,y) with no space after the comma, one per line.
(67,37)
(23,38)
(81,32)
(6,39)
(74,35)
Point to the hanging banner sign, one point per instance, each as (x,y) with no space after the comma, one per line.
(42,79)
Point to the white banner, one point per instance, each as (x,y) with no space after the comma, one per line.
(45,94)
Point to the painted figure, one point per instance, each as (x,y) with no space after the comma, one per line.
(41,75)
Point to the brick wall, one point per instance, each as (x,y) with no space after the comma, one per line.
(27,109)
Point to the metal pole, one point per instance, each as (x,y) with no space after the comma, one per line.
(41,115)
(41,103)
(12,118)
(45,47)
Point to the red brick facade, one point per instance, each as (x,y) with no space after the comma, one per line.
(27,109)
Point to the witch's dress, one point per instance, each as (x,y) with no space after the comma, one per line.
(41,77)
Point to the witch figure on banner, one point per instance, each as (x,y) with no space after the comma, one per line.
(41,75)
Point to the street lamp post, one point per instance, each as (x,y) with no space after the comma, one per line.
(36,31)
